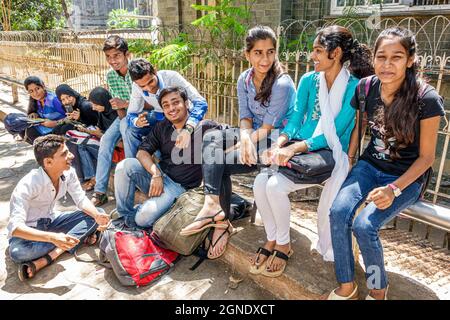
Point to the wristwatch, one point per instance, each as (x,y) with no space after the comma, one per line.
(396,190)
(189,128)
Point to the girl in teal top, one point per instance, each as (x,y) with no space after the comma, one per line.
(306,114)
(329,89)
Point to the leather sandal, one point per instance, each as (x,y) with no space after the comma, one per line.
(98,199)
(258,268)
(213,244)
(369,297)
(212,224)
(278,254)
(88,185)
(23,268)
(352,296)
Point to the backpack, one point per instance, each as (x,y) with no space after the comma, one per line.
(16,123)
(132,255)
(363,92)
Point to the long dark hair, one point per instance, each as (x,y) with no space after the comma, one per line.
(32,104)
(359,55)
(399,117)
(262,33)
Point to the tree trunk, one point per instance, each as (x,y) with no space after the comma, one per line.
(66,14)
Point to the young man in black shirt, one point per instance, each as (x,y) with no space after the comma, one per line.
(177,171)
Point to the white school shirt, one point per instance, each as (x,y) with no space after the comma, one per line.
(35,197)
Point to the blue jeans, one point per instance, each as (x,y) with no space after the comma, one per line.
(88,157)
(105,154)
(362,179)
(77,224)
(129,175)
(132,136)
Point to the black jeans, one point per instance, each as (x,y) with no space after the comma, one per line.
(218,166)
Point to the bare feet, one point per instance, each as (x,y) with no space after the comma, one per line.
(210,208)
(277,263)
(259,259)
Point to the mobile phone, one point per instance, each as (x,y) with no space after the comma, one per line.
(69,109)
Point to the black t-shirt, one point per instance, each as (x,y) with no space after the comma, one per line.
(185,170)
(376,152)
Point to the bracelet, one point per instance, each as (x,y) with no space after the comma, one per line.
(157,176)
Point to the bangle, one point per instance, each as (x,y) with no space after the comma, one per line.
(157,176)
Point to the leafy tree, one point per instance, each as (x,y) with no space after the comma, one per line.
(36,15)
(119,19)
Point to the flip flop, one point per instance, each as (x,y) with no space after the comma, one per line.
(211,244)
(212,224)
(23,268)
(257,269)
(278,254)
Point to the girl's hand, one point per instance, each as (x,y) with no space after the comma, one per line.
(75,115)
(97,132)
(281,156)
(49,123)
(248,152)
(383,197)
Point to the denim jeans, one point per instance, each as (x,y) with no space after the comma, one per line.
(218,167)
(77,224)
(129,175)
(88,157)
(105,154)
(132,136)
(362,179)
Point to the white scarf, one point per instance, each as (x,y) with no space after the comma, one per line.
(330,105)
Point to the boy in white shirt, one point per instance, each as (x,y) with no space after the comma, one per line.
(38,235)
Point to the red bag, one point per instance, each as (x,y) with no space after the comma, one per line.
(118,155)
(134,258)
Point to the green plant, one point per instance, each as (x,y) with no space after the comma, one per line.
(121,19)
(175,55)
(227,21)
(36,15)
(141,47)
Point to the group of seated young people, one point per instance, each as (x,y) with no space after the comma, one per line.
(158,114)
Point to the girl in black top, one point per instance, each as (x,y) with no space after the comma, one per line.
(100,101)
(403,114)
(77,108)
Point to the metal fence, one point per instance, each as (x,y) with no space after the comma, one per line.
(77,59)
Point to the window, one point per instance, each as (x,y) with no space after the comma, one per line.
(368,6)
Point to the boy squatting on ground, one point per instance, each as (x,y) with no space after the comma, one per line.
(37,234)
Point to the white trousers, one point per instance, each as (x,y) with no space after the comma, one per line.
(271,194)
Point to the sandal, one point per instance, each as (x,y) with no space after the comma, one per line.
(99,199)
(97,236)
(212,224)
(212,245)
(352,296)
(88,185)
(369,297)
(23,268)
(278,254)
(255,268)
